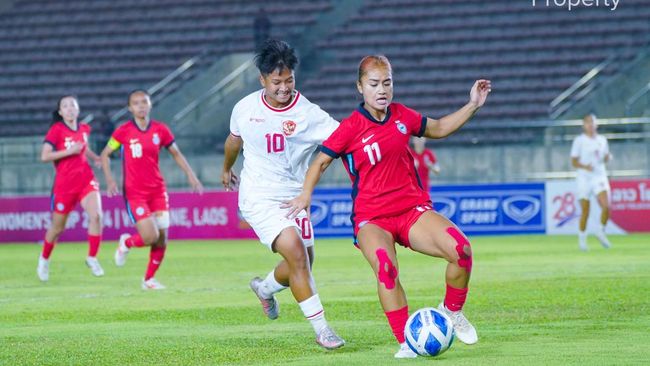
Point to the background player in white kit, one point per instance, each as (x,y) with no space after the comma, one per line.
(589,154)
(279,130)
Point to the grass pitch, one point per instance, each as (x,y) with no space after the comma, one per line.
(535,300)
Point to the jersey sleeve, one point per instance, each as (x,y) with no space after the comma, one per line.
(575,148)
(166,136)
(118,138)
(234,121)
(338,142)
(415,121)
(52,136)
(321,125)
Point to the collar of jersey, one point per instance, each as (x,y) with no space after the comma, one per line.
(369,116)
(138,127)
(68,127)
(293,102)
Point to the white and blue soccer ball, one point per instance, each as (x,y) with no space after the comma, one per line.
(429,332)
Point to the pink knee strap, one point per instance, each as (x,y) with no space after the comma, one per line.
(387,272)
(463,249)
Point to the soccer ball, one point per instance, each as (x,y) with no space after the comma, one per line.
(429,332)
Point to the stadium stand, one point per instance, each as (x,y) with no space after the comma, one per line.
(531,54)
(100,50)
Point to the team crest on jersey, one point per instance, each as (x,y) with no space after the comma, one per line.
(401,127)
(288,127)
(156,139)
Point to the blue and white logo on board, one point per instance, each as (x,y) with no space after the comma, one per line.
(445,206)
(319,211)
(521,208)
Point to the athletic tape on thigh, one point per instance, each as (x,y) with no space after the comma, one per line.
(162,221)
(387,272)
(463,248)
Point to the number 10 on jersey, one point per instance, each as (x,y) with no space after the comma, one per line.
(274,142)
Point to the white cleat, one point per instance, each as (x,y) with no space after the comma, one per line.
(122,251)
(327,339)
(271,307)
(152,284)
(43,269)
(462,327)
(94,266)
(602,238)
(405,351)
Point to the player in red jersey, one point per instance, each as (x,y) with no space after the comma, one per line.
(425,161)
(140,141)
(66,144)
(389,205)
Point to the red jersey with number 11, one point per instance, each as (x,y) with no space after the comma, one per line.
(377,158)
(140,150)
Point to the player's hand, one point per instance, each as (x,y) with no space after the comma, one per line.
(196,185)
(588,168)
(111,188)
(75,148)
(229,180)
(296,205)
(479,92)
(97,162)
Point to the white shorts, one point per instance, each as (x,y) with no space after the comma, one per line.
(268,219)
(588,186)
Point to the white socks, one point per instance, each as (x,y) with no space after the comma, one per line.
(270,286)
(313,310)
(582,235)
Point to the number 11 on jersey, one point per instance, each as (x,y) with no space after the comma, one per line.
(374,154)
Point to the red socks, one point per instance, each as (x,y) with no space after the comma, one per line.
(47,249)
(397,320)
(134,241)
(93,244)
(455,298)
(155,258)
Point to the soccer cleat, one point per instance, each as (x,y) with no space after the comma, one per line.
(327,339)
(152,284)
(405,352)
(43,269)
(270,306)
(602,238)
(94,266)
(462,327)
(122,251)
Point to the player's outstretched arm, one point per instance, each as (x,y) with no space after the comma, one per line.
(179,158)
(105,157)
(91,155)
(48,154)
(231,150)
(303,200)
(445,126)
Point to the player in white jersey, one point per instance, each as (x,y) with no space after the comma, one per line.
(279,130)
(589,154)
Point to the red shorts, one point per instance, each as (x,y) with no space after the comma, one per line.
(399,225)
(141,206)
(64,203)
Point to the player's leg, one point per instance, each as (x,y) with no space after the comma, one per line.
(157,252)
(147,232)
(603,202)
(377,246)
(584,216)
(92,204)
(290,246)
(51,237)
(434,235)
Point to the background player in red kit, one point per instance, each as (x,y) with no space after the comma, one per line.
(389,205)
(66,144)
(425,160)
(140,141)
